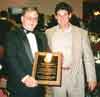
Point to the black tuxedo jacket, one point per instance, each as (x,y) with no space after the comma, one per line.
(5,26)
(19,62)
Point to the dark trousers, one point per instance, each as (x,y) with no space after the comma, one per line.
(36,92)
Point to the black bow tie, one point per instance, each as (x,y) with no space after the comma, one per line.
(26,31)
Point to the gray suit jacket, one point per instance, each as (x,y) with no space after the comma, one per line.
(81,50)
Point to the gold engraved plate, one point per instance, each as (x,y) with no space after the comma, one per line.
(47,68)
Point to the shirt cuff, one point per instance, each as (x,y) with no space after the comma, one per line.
(23,79)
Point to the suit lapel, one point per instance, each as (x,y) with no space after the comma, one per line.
(25,44)
(76,47)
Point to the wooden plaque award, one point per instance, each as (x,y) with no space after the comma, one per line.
(47,68)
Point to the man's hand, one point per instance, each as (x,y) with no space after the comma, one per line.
(29,81)
(92,85)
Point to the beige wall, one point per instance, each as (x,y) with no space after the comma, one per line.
(45,6)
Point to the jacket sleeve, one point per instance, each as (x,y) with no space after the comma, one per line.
(42,41)
(13,62)
(88,58)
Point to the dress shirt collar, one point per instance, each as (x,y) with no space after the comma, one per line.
(66,30)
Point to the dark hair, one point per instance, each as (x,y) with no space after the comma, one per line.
(63,6)
(3,13)
(26,9)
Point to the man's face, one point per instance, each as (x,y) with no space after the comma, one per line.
(30,20)
(63,17)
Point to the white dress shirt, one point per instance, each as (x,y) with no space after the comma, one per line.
(32,43)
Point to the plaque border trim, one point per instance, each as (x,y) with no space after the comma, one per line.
(57,82)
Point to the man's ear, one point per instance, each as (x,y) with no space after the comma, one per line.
(55,16)
(70,15)
(21,18)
